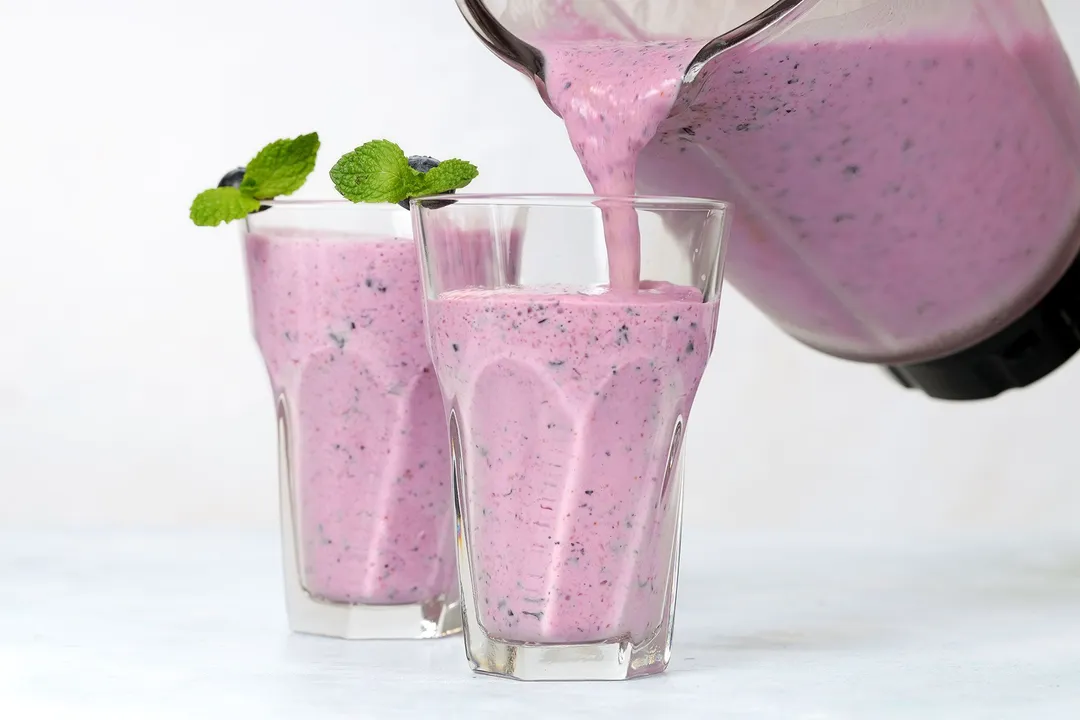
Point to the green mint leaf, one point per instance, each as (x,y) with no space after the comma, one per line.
(223,204)
(281,168)
(377,171)
(452,174)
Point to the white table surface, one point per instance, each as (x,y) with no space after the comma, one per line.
(161,625)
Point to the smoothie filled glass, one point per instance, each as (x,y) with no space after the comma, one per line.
(366,518)
(567,398)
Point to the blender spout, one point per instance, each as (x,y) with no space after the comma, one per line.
(760,28)
(507,42)
(507,46)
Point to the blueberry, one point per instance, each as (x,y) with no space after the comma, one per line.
(233,178)
(421,164)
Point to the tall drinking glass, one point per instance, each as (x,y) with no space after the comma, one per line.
(366,518)
(567,400)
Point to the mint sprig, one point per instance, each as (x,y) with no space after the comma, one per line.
(221,204)
(378,171)
(280,168)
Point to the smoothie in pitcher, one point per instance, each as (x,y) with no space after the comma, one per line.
(895,197)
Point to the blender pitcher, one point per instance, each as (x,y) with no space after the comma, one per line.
(905,173)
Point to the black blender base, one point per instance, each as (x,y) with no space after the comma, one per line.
(1029,349)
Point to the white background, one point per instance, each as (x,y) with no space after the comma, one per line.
(131,393)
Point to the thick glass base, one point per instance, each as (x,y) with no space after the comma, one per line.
(434,619)
(615,660)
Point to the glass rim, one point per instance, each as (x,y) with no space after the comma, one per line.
(328,202)
(668,202)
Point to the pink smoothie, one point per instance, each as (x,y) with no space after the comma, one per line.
(895,199)
(338,319)
(568,406)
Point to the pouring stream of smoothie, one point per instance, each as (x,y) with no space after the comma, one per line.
(613,95)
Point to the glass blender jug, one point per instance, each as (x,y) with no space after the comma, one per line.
(905,173)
